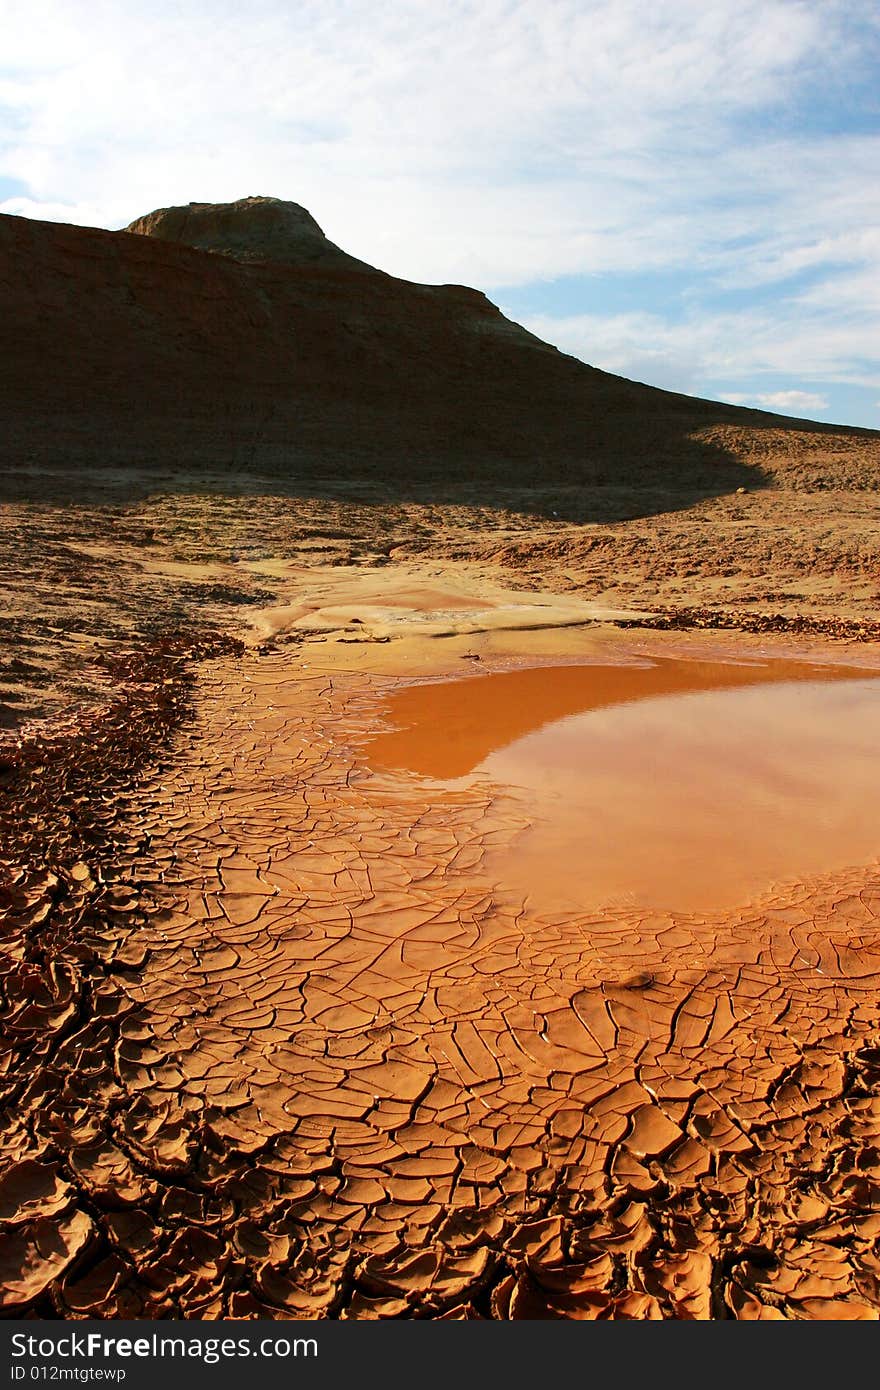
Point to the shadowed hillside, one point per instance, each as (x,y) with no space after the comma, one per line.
(262,346)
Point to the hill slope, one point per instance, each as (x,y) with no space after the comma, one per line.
(239,336)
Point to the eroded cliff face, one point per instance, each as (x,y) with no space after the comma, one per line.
(239,336)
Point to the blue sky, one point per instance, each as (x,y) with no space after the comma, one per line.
(687,193)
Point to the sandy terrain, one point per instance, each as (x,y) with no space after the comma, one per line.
(108,558)
(279,1046)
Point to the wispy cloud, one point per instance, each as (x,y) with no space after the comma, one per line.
(786,402)
(499,139)
(497,142)
(810,342)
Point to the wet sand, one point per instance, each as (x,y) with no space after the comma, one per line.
(116,558)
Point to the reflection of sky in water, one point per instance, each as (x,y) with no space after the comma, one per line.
(687,799)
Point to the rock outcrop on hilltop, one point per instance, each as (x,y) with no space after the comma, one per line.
(239,336)
(251,229)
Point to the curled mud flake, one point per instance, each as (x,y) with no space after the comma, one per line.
(164,1144)
(300,1296)
(362,1308)
(81,874)
(652,1132)
(540,1242)
(431,1276)
(838,1310)
(107,1174)
(683,1281)
(31,1189)
(92,1295)
(687,1162)
(34,1255)
(529,1301)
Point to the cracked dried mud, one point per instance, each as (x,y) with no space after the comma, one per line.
(284,1044)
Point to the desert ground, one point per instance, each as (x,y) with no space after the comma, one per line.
(281,1043)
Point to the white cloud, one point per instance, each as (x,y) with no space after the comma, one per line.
(792,401)
(494,142)
(785,402)
(786,340)
(80,214)
(488,140)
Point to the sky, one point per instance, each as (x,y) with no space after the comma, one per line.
(685,192)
